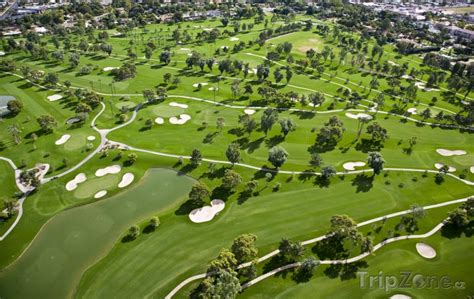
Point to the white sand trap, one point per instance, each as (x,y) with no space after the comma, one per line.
(234,39)
(174,104)
(450,168)
(127,179)
(352,165)
(412,111)
(91,138)
(109,68)
(196,85)
(358,115)
(207,29)
(108,170)
(100,194)
(420,84)
(313,105)
(400,296)
(207,213)
(408,77)
(159,120)
(448,153)
(249,111)
(185,49)
(425,250)
(392,63)
(54,97)
(254,71)
(2,53)
(183,118)
(213,88)
(472,169)
(72,184)
(63,139)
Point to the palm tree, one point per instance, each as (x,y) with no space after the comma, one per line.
(15,132)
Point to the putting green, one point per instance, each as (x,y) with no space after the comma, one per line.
(164,110)
(75,142)
(75,239)
(91,187)
(128,104)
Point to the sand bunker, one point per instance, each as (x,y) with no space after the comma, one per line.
(63,139)
(420,84)
(185,49)
(249,111)
(100,194)
(392,63)
(2,53)
(108,170)
(472,169)
(358,115)
(42,170)
(109,68)
(213,88)
(174,104)
(72,184)
(91,138)
(234,39)
(412,110)
(207,29)
(207,213)
(196,85)
(352,165)
(159,120)
(450,168)
(408,77)
(54,97)
(400,296)
(425,250)
(127,179)
(448,153)
(183,118)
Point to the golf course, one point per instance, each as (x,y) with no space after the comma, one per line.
(132,157)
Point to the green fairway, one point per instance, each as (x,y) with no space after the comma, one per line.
(75,239)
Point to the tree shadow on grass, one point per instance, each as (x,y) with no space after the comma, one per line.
(254,145)
(363,182)
(127,239)
(368,145)
(277,139)
(345,271)
(452,231)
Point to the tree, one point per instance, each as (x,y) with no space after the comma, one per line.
(287,126)
(251,186)
(231,179)
(134,232)
(233,153)
(220,123)
(196,157)
(268,119)
(328,171)
(290,249)
(307,267)
(131,158)
(74,60)
(316,159)
(316,99)
(244,248)
(277,156)
(343,226)
(165,57)
(376,162)
(199,192)
(10,207)
(51,78)
(47,123)
(149,95)
(459,218)
(14,106)
(15,133)
(377,132)
(154,223)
